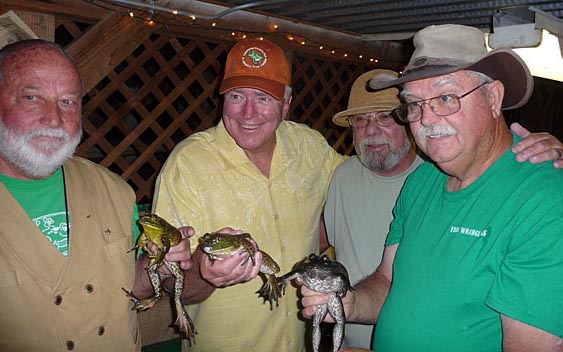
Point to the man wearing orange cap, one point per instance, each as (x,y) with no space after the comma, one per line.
(473,257)
(261,174)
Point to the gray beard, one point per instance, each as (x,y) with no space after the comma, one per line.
(381,161)
(18,150)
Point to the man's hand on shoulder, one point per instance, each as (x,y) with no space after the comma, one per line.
(537,147)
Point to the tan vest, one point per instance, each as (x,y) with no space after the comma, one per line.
(52,303)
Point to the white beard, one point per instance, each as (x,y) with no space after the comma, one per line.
(378,161)
(38,160)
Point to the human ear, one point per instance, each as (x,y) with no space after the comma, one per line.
(495,94)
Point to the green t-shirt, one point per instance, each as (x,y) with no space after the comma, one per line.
(466,256)
(44,201)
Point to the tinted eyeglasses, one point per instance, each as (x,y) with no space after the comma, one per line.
(381,118)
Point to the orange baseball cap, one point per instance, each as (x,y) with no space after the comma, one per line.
(259,64)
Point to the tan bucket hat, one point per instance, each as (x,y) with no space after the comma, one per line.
(363,100)
(449,48)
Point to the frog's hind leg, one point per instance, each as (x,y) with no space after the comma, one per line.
(183,320)
(270,290)
(336,310)
(320,314)
(144,304)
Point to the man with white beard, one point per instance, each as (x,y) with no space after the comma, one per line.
(364,188)
(66,223)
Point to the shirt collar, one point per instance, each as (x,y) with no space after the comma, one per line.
(235,156)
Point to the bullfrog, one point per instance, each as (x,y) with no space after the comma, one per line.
(219,246)
(158,231)
(321,274)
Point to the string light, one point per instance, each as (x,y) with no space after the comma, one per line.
(149,19)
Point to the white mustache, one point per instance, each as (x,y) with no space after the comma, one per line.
(47,132)
(435,131)
(375,140)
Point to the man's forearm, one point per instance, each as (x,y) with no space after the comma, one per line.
(369,296)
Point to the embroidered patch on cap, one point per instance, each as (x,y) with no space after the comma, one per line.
(254,58)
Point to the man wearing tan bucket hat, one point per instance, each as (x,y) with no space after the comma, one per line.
(363,189)
(474,251)
(261,174)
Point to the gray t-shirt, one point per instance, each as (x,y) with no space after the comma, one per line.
(357,214)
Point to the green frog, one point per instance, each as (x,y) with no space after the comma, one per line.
(218,246)
(321,274)
(158,231)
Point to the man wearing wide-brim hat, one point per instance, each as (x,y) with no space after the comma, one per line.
(474,251)
(363,189)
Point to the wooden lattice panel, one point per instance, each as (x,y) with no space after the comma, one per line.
(321,89)
(157,97)
(167,89)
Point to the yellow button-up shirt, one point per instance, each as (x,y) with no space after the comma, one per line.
(209,183)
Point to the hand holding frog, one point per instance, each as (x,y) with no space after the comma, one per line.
(226,262)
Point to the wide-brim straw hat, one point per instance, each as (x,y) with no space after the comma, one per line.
(363,100)
(444,49)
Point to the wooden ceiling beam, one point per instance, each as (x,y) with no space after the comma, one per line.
(255,22)
(105,45)
(73,8)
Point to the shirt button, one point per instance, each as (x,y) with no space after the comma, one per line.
(89,288)
(101,330)
(69,345)
(58,299)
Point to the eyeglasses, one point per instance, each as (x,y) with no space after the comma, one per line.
(442,105)
(381,118)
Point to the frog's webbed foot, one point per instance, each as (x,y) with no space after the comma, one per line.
(282,281)
(185,324)
(142,304)
(270,290)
